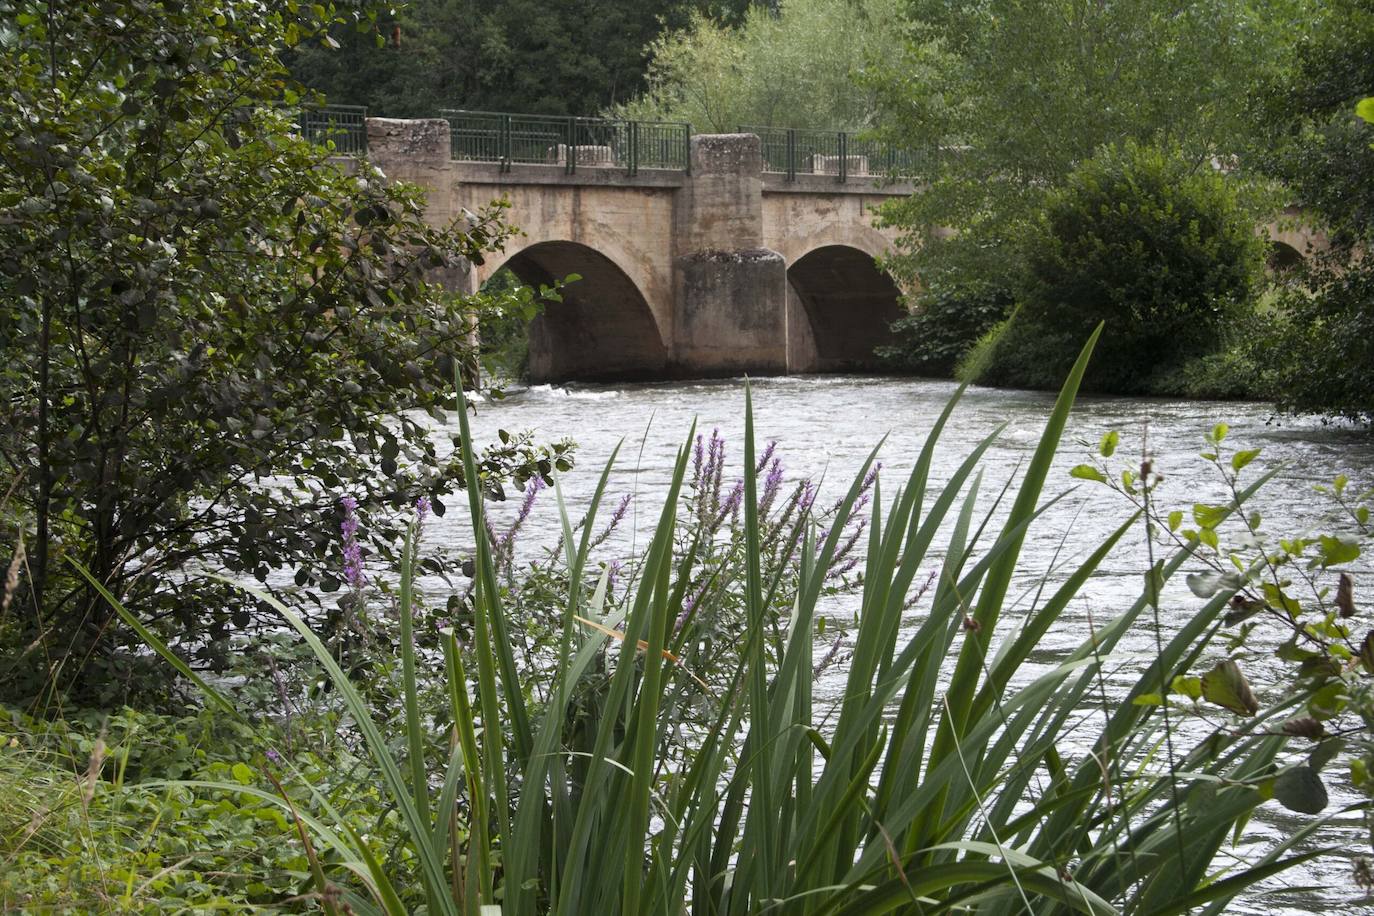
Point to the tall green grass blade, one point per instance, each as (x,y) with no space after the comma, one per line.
(431,863)
(157,645)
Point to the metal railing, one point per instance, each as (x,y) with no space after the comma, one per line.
(506,139)
(344,126)
(792,152)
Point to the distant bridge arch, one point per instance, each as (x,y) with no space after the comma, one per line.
(847,303)
(601,328)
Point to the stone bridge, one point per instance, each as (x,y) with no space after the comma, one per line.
(719,269)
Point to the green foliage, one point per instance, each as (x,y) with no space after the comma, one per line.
(90,824)
(1296,635)
(1014,96)
(571,58)
(1320,348)
(206,330)
(799,64)
(505,333)
(862,812)
(936,335)
(1163,253)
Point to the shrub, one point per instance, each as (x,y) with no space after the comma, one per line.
(943,325)
(206,326)
(1160,249)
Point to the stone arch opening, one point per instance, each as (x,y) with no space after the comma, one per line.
(848,306)
(602,330)
(1282,257)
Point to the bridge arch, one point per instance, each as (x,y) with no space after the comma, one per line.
(605,327)
(841,306)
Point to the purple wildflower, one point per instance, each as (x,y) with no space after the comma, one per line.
(731,505)
(504,546)
(612,572)
(767,454)
(616,518)
(829,657)
(690,605)
(696,461)
(273,756)
(422,507)
(771,483)
(352,551)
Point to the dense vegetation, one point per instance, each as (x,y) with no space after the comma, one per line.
(567,58)
(209,333)
(1321,345)
(221,688)
(802,64)
(1162,253)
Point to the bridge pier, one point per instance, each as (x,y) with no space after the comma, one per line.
(685,272)
(729,315)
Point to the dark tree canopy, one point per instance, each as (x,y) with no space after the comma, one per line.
(572,58)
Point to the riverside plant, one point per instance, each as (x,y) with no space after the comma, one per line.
(924,794)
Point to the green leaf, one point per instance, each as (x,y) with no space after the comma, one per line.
(1218,433)
(1175,519)
(242,773)
(1240,459)
(1109,443)
(1227,687)
(1365,109)
(1190,687)
(1149,699)
(1208,516)
(1337,550)
(1280,601)
(1325,751)
(1300,789)
(1088,472)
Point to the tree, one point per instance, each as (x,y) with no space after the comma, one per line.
(571,58)
(210,332)
(1320,346)
(1165,254)
(797,64)
(1013,96)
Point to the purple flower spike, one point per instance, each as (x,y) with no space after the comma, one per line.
(771,483)
(352,551)
(767,454)
(273,756)
(422,507)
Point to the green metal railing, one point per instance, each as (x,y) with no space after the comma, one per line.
(345,126)
(792,152)
(507,139)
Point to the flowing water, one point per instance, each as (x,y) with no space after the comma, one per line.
(825,428)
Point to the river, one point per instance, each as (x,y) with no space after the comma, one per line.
(825,427)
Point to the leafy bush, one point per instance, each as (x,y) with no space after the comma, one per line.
(1162,250)
(930,784)
(1293,598)
(205,328)
(943,326)
(1317,141)
(1318,351)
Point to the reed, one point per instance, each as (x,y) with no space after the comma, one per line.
(916,796)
